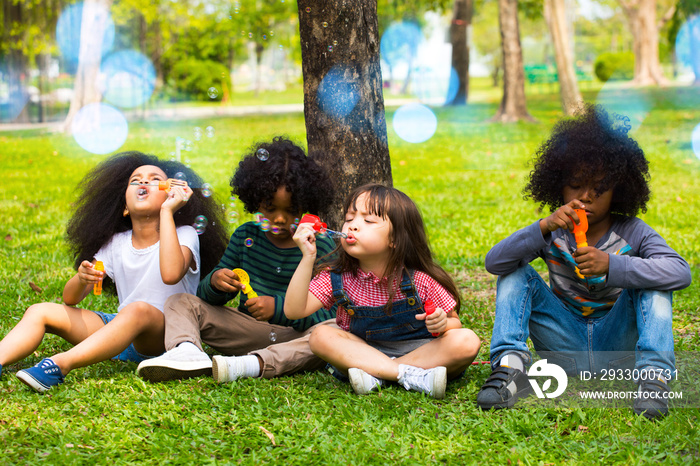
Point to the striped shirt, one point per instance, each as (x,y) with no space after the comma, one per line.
(639,259)
(270,269)
(366,289)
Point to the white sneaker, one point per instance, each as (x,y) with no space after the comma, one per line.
(176,364)
(362,382)
(429,381)
(228,368)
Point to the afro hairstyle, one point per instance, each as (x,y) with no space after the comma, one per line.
(257,179)
(591,147)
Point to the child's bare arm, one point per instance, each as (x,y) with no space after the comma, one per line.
(299,301)
(175,259)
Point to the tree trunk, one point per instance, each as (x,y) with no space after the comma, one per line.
(513,105)
(641,17)
(92,29)
(259,49)
(461,21)
(555,15)
(343,101)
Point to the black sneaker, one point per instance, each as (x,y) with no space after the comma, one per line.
(494,394)
(651,401)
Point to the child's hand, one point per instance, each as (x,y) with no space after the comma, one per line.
(262,307)
(564,217)
(177,197)
(305,238)
(88,275)
(226,281)
(435,322)
(592,261)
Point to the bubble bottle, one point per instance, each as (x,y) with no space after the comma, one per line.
(429,307)
(97,290)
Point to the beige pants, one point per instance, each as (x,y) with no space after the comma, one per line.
(231,332)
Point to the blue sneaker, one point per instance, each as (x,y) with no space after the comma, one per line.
(41,377)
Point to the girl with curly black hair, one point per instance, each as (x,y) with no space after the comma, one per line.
(609,300)
(279,182)
(143,238)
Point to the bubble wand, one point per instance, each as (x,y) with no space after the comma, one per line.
(245,280)
(320,226)
(581,229)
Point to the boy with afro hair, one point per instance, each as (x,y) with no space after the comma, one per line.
(608,305)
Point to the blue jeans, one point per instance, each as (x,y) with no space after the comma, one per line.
(635,333)
(130,353)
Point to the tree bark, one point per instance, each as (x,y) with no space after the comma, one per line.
(92,29)
(513,104)
(461,21)
(347,132)
(641,17)
(555,14)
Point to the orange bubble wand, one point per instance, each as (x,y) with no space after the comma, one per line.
(581,229)
(97,290)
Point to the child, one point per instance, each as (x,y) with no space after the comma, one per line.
(382,278)
(149,250)
(278,180)
(611,296)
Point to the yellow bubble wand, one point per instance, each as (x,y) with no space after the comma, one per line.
(245,280)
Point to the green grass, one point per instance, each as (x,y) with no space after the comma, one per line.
(467,180)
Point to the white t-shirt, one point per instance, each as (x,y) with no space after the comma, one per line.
(136,272)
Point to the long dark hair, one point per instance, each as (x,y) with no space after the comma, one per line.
(101,201)
(411,249)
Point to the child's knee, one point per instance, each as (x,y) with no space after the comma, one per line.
(320,336)
(515,281)
(141,313)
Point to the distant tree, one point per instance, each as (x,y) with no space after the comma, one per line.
(92,29)
(555,14)
(641,18)
(461,21)
(343,101)
(513,104)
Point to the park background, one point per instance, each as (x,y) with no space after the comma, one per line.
(203,81)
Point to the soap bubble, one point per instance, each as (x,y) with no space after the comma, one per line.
(258,218)
(188,163)
(189,145)
(202,220)
(130,78)
(199,228)
(324,24)
(232,216)
(415,123)
(308,9)
(213,92)
(696,141)
(626,102)
(273,336)
(180,176)
(197,133)
(262,154)
(206,190)
(248,242)
(339,91)
(69,29)
(265,225)
(173,157)
(209,131)
(335,42)
(293,227)
(279,269)
(100,128)
(330,48)
(275,230)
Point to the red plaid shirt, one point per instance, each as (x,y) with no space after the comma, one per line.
(366,289)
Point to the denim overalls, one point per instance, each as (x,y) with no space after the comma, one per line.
(372,323)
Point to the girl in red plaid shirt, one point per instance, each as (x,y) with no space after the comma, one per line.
(382,276)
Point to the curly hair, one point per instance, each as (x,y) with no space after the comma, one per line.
(102,198)
(255,181)
(591,147)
